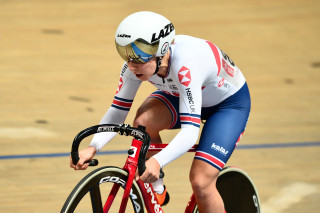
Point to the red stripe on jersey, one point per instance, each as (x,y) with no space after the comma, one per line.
(211,158)
(121,103)
(216,55)
(192,119)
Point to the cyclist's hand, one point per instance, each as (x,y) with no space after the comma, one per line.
(84,155)
(151,174)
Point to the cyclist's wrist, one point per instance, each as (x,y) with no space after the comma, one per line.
(158,160)
(93,148)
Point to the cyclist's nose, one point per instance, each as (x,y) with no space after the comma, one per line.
(132,66)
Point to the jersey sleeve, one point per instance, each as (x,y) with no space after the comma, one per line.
(119,109)
(190,101)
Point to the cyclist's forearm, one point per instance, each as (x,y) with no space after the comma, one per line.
(184,140)
(112,116)
(101,139)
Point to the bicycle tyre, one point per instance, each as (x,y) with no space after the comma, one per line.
(238,191)
(92,183)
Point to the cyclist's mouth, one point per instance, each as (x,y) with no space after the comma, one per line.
(139,75)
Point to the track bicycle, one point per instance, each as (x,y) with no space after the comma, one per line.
(235,186)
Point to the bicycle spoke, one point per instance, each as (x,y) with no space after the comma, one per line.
(96,199)
(95,186)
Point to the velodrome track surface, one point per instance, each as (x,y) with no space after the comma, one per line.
(59,71)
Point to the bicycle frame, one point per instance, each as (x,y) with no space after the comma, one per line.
(151,203)
(136,159)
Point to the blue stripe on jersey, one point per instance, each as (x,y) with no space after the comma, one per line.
(123,99)
(190,119)
(121,103)
(121,108)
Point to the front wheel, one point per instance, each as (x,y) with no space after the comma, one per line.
(89,194)
(238,191)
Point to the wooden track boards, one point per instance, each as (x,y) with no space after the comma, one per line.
(59,71)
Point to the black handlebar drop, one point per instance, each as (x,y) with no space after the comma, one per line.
(124,129)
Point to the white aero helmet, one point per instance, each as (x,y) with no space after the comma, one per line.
(143,35)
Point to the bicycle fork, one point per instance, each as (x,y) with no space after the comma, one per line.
(130,167)
(147,191)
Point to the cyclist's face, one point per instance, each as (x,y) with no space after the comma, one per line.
(143,71)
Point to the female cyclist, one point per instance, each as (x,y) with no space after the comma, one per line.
(195,81)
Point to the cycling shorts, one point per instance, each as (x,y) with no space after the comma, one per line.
(224,126)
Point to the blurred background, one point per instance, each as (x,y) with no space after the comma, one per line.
(59,71)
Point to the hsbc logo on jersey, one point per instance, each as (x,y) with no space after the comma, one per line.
(221,83)
(184,76)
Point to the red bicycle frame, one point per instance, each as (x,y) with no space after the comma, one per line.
(136,159)
(150,200)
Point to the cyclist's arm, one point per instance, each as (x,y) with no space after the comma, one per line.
(190,111)
(118,111)
(112,116)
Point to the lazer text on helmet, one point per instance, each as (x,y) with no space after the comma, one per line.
(124,36)
(163,33)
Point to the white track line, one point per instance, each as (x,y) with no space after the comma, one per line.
(288,196)
(24,132)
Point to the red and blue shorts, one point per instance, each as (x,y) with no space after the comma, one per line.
(223,127)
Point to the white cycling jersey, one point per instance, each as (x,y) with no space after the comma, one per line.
(199,73)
